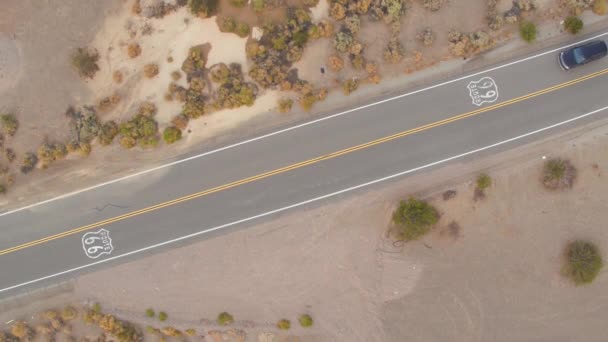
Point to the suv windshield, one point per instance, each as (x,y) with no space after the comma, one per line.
(579,57)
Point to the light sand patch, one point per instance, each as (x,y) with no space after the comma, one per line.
(171,37)
(10,64)
(320,11)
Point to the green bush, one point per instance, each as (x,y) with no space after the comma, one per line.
(141,129)
(483,181)
(108,131)
(258,5)
(558,174)
(350,85)
(172,134)
(9,124)
(150,312)
(162,316)
(225,318)
(97,308)
(305,321)
(285,105)
(527,31)
(414,218)
(573,24)
(242,29)
(85,62)
(203,8)
(238,3)
(583,262)
(68,313)
(284,324)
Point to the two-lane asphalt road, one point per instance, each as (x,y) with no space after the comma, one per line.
(497,108)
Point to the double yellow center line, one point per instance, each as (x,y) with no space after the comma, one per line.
(302,164)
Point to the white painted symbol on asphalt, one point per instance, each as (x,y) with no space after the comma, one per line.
(483,91)
(97,243)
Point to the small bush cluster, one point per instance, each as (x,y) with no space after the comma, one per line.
(172,134)
(122,331)
(203,8)
(108,103)
(426,36)
(483,181)
(305,321)
(150,70)
(133,50)
(85,62)
(394,51)
(229,24)
(600,7)
(284,324)
(527,31)
(583,262)
(284,105)
(280,46)
(9,124)
(233,91)
(414,218)
(558,174)
(51,152)
(150,312)
(141,129)
(225,318)
(350,85)
(238,3)
(573,24)
(463,45)
(28,163)
(433,5)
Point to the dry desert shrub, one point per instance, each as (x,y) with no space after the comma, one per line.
(600,7)
(117,76)
(172,134)
(394,51)
(414,218)
(583,262)
(284,324)
(180,121)
(28,163)
(108,103)
(426,36)
(133,50)
(150,70)
(336,63)
(85,62)
(9,124)
(558,174)
(225,318)
(284,105)
(350,85)
(433,5)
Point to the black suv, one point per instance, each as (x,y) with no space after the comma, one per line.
(582,54)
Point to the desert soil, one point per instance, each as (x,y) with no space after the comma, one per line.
(496,277)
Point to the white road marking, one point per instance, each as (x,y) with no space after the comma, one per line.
(297,126)
(483,91)
(316,199)
(96,244)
